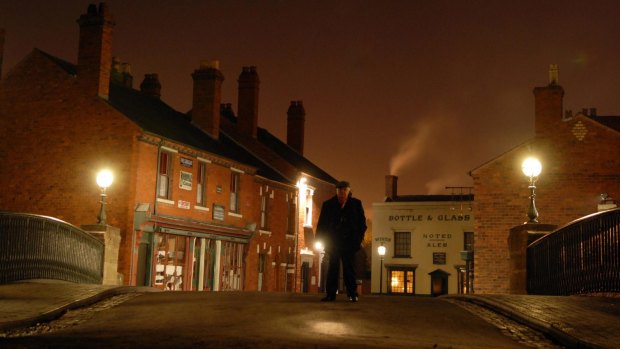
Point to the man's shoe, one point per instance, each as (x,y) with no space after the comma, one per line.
(353,299)
(328,299)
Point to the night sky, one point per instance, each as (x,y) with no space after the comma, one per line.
(426,90)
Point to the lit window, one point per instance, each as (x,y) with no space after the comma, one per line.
(165,175)
(308,207)
(402,244)
(201,188)
(234,192)
(401,280)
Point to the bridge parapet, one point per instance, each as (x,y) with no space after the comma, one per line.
(40,247)
(580,257)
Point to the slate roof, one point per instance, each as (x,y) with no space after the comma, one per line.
(285,152)
(155,116)
(612,122)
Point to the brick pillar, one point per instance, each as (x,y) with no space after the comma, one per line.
(111,237)
(519,238)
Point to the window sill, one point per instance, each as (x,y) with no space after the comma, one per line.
(201,208)
(232,214)
(165,201)
(264,232)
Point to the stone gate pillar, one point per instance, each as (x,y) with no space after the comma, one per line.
(111,237)
(519,238)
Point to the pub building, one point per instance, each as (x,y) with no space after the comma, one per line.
(428,242)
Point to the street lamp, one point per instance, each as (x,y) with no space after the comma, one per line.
(104,180)
(531,167)
(381,251)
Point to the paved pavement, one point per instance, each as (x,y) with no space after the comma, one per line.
(271,320)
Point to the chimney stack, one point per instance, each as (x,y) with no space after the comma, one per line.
(207,97)
(391,186)
(548,104)
(247,108)
(121,73)
(295,126)
(1,49)
(95,50)
(151,86)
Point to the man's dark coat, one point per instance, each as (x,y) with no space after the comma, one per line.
(341,228)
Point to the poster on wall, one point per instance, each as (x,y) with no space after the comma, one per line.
(186,181)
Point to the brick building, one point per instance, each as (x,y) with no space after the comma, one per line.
(204,200)
(580,156)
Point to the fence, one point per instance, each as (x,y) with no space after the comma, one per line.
(581,257)
(40,247)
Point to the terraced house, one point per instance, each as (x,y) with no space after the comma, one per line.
(203,200)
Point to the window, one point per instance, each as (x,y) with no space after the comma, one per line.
(201,187)
(234,192)
(402,244)
(264,211)
(292,211)
(402,280)
(308,207)
(165,175)
(468,241)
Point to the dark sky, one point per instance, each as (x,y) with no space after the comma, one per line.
(426,90)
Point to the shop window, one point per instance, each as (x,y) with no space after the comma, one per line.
(232,266)
(402,280)
(170,262)
(201,186)
(165,175)
(234,191)
(402,244)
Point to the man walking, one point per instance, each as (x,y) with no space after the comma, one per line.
(341,229)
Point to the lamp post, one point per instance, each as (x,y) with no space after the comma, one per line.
(104,180)
(381,251)
(531,167)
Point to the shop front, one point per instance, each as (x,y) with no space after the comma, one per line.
(190,256)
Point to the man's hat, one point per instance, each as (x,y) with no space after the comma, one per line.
(343,184)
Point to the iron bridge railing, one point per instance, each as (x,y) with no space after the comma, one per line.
(581,257)
(40,247)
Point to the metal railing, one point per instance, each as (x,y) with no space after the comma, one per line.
(581,257)
(40,247)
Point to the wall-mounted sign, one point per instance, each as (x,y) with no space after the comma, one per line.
(439,258)
(187,162)
(184,204)
(218,188)
(218,212)
(186,181)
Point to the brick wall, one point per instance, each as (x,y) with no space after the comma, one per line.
(577,167)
